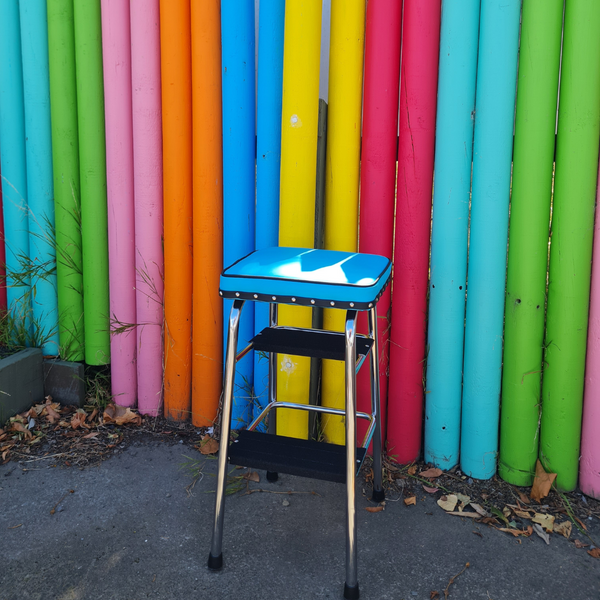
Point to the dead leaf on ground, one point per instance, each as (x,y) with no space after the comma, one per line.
(522,514)
(252,476)
(542,484)
(523,498)
(546,521)
(564,528)
(208,445)
(516,532)
(594,552)
(92,415)
(463,513)
(430,490)
(538,529)
(121,415)
(478,508)
(373,509)
(89,436)
(412,469)
(583,525)
(580,544)
(410,501)
(448,503)
(78,420)
(431,473)
(463,499)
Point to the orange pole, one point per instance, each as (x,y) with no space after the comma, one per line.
(175,34)
(208,211)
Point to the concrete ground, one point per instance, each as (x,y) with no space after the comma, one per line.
(130,530)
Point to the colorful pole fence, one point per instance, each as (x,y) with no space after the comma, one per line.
(207,338)
(589,464)
(342,176)
(14,169)
(65,161)
(299,129)
(147,163)
(268,158)
(571,243)
(492,161)
(40,193)
(416,146)
(92,169)
(533,163)
(239,175)
(453,154)
(176,61)
(116,42)
(378,173)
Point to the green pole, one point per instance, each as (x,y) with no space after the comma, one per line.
(571,242)
(65,156)
(533,162)
(92,163)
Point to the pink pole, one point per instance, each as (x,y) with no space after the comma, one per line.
(378,172)
(418,97)
(147,175)
(116,50)
(589,464)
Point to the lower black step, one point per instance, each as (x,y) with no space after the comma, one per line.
(305,458)
(317,343)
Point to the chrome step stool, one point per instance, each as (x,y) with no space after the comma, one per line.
(305,277)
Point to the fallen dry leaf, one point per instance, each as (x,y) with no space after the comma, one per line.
(412,469)
(580,544)
(523,498)
(410,501)
(89,436)
(16,526)
(506,512)
(463,499)
(93,415)
(516,532)
(252,476)
(448,503)
(595,552)
(480,509)
(563,528)
(546,521)
(431,473)
(373,509)
(121,415)
(542,483)
(78,419)
(430,490)
(538,529)
(583,525)
(208,445)
(51,415)
(463,513)
(522,514)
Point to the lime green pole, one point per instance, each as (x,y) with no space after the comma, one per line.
(65,157)
(533,162)
(571,242)
(92,163)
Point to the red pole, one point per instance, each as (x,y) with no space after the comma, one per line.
(378,170)
(418,96)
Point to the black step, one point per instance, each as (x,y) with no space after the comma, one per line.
(280,454)
(316,343)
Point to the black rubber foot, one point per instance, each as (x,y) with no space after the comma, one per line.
(272,476)
(351,593)
(378,495)
(215,563)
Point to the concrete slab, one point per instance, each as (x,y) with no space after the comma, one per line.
(64,381)
(130,530)
(21,382)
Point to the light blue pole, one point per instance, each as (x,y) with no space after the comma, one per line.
(492,157)
(452,184)
(14,170)
(239,169)
(268,158)
(40,184)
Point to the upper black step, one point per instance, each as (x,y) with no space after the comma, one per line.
(305,458)
(316,343)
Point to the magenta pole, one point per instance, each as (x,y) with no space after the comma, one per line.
(147,176)
(116,51)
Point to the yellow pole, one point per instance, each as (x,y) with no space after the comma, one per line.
(299,128)
(342,174)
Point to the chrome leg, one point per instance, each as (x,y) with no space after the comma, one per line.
(351,585)
(378,493)
(272,475)
(215,558)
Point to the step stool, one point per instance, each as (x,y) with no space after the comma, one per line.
(305,277)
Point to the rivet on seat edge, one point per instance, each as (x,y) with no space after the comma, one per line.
(351,304)
(237,294)
(312,301)
(274,298)
(332,303)
(371,305)
(293,299)
(220,293)
(256,295)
